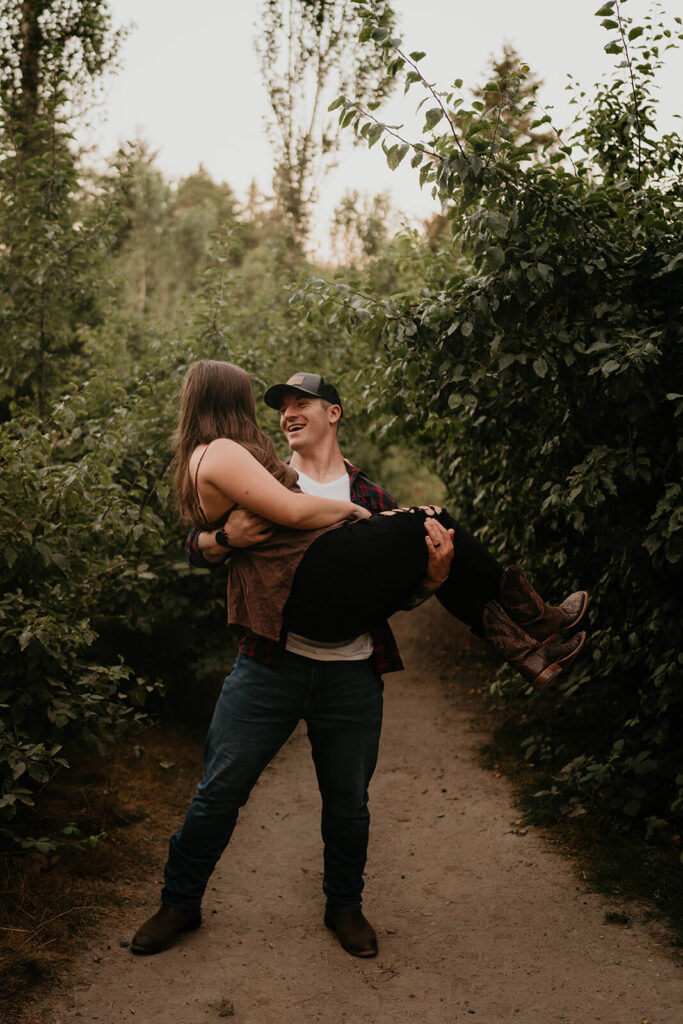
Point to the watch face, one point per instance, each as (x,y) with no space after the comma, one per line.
(222,539)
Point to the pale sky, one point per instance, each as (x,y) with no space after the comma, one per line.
(189,82)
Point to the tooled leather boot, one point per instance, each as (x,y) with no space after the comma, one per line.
(528,609)
(537,663)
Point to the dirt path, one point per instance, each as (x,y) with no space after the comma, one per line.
(477,920)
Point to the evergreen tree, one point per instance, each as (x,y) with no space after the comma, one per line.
(509,100)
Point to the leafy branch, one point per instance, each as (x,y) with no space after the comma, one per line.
(633,34)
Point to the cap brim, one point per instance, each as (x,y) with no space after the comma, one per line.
(274,395)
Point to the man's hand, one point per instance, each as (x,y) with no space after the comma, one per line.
(439,542)
(244,529)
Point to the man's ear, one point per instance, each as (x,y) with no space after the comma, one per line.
(335,413)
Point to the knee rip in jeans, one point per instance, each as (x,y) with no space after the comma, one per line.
(430,510)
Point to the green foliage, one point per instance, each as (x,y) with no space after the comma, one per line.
(65,522)
(95,591)
(51,51)
(51,241)
(531,343)
(360,227)
(163,234)
(93,585)
(510,93)
(539,360)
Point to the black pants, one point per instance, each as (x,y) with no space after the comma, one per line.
(357,575)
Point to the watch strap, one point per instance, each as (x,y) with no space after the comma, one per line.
(221,538)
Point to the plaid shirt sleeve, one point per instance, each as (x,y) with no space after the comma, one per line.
(368,494)
(193,552)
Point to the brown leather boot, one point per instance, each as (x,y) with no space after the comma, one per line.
(528,609)
(353,930)
(163,928)
(538,663)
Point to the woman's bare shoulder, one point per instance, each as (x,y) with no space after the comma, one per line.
(218,449)
(223,450)
(218,462)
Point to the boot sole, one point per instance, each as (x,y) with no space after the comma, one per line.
(552,671)
(581,614)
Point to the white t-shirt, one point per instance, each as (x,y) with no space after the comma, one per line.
(360,647)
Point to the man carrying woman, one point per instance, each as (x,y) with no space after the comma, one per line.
(334,686)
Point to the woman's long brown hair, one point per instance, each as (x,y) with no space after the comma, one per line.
(217,401)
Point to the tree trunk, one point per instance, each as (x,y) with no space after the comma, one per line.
(28,102)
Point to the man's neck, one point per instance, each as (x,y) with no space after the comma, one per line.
(325,464)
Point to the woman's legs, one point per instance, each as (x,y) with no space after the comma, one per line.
(473,580)
(361,573)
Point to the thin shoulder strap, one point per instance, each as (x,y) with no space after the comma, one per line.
(196,487)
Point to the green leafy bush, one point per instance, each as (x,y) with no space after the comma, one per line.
(541,362)
(97,600)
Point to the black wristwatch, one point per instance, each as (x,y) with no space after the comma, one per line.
(221,538)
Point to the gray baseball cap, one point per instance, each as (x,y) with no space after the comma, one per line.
(305,384)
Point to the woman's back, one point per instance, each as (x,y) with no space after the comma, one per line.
(259,577)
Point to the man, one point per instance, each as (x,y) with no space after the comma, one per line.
(336,688)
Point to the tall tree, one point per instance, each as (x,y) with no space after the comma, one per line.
(163,233)
(309,53)
(359,226)
(51,54)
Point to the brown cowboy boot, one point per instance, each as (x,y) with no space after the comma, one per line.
(353,930)
(163,928)
(528,609)
(537,663)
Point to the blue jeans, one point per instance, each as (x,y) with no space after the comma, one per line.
(258,708)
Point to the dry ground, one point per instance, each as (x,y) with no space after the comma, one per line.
(478,918)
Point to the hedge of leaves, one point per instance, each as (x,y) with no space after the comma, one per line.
(97,604)
(541,362)
(94,589)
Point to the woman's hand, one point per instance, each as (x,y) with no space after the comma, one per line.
(358,512)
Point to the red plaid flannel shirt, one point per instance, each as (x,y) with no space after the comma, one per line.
(385,654)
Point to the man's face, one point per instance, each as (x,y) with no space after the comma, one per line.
(306,421)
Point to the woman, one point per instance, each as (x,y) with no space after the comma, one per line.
(329,571)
